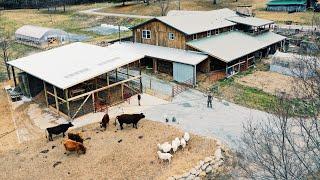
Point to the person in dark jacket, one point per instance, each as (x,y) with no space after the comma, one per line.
(139,98)
(209,102)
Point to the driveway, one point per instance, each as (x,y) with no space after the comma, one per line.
(96,12)
(224,121)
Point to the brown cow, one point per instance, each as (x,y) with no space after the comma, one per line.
(71,145)
(105,120)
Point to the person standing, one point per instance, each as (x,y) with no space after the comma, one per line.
(139,98)
(209,102)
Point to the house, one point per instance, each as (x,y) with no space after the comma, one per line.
(287,5)
(231,42)
(40,37)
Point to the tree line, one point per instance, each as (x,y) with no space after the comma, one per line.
(36,4)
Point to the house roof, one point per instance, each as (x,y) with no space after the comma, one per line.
(72,64)
(232,45)
(251,21)
(287,2)
(165,53)
(201,20)
(35,31)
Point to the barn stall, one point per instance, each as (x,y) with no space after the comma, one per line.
(80,78)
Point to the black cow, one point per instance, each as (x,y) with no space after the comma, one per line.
(105,120)
(75,137)
(130,119)
(61,128)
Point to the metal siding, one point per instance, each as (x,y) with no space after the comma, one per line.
(183,72)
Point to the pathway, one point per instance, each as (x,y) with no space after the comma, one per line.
(96,12)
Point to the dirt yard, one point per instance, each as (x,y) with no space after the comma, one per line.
(8,136)
(268,81)
(106,157)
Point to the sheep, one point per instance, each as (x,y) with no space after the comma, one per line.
(165,147)
(164,156)
(175,145)
(183,143)
(186,137)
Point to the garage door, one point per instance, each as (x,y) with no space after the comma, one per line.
(183,73)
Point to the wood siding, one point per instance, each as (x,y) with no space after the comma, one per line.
(160,35)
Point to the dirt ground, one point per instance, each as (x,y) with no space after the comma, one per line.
(106,157)
(268,81)
(8,136)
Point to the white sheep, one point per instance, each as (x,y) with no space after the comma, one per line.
(186,137)
(175,145)
(164,156)
(165,147)
(183,143)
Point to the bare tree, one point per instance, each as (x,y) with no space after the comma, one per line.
(5,45)
(164,6)
(287,146)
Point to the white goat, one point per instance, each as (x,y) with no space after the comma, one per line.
(165,147)
(183,143)
(164,156)
(186,137)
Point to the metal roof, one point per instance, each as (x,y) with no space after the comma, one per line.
(165,53)
(35,31)
(287,2)
(232,45)
(199,21)
(72,64)
(251,21)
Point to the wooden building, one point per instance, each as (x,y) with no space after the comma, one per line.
(216,33)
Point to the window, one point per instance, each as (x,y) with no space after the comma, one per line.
(146,34)
(208,33)
(171,36)
(194,36)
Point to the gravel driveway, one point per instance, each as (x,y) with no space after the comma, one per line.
(224,121)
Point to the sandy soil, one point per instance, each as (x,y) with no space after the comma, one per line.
(132,158)
(8,136)
(268,81)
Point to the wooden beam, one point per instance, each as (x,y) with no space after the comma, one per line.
(140,74)
(68,103)
(56,98)
(45,93)
(103,88)
(116,74)
(61,99)
(81,106)
(122,96)
(13,76)
(93,103)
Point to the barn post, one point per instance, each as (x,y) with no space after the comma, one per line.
(108,79)
(140,76)
(67,101)
(45,93)
(93,102)
(14,76)
(128,71)
(116,74)
(56,98)
(122,92)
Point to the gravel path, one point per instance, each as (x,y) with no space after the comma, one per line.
(95,12)
(224,121)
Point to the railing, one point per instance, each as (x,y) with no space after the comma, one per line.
(179,88)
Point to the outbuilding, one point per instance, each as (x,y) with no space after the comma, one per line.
(41,37)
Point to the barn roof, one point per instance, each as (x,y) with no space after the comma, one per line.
(286,2)
(35,31)
(201,20)
(232,45)
(72,64)
(165,53)
(251,21)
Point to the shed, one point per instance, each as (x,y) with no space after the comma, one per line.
(291,64)
(40,37)
(287,5)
